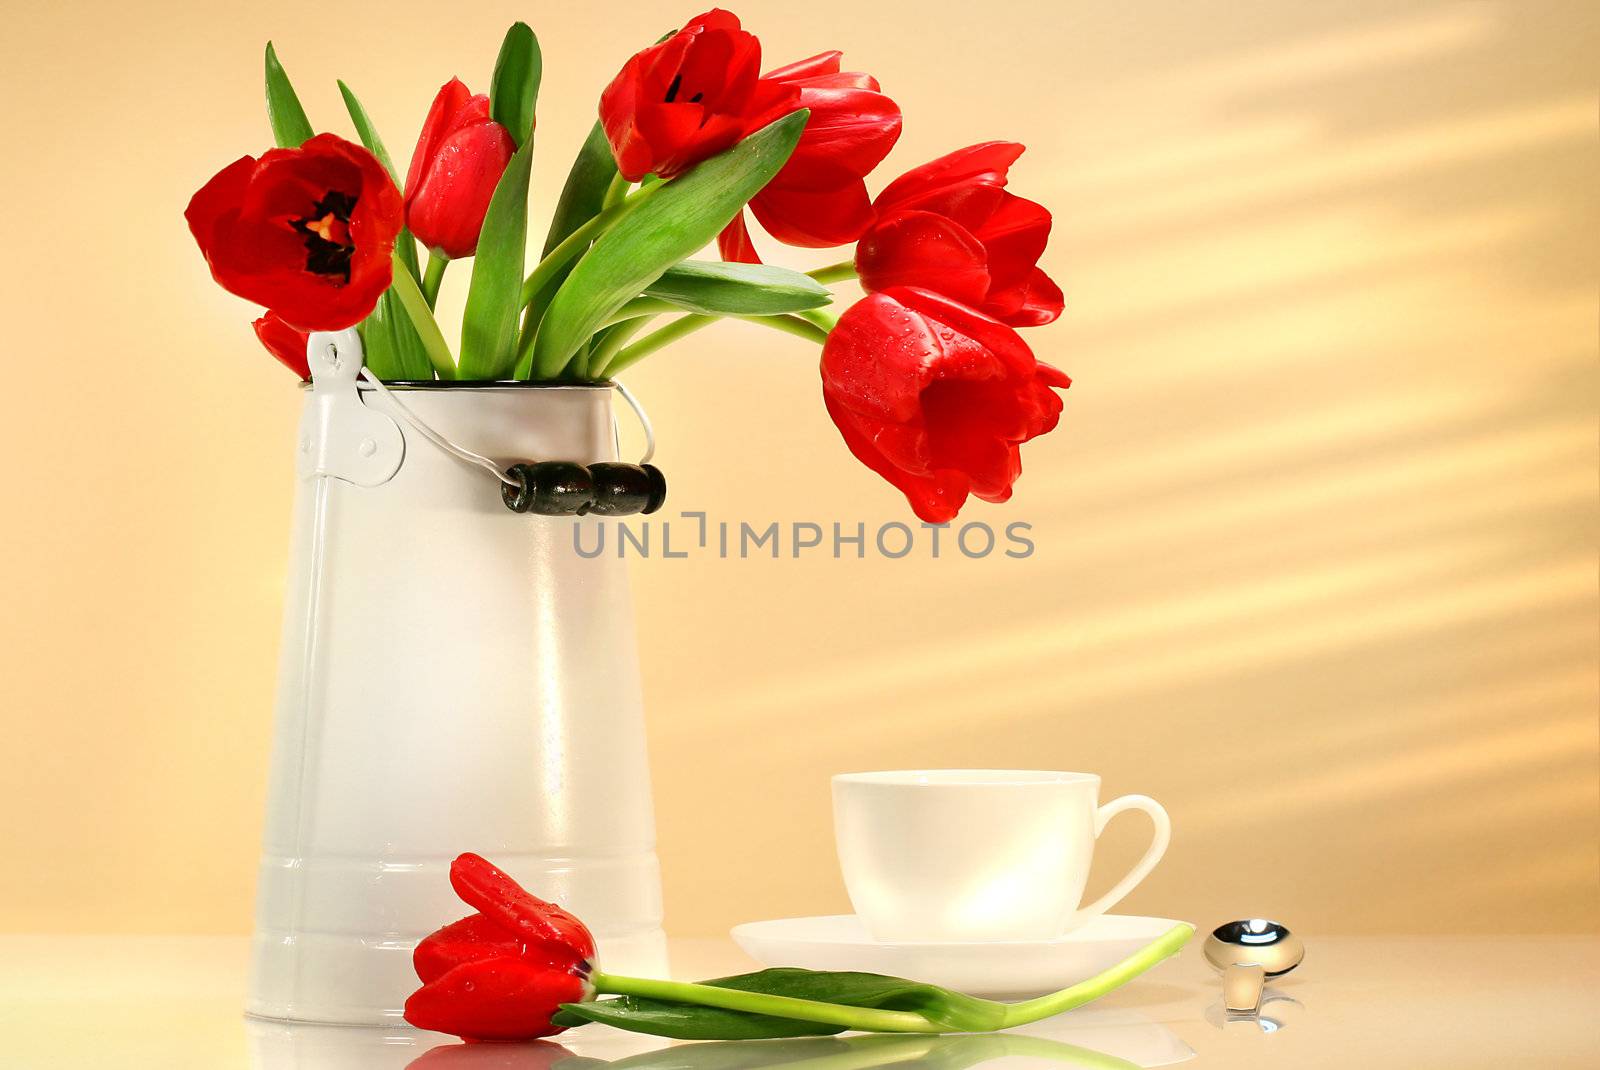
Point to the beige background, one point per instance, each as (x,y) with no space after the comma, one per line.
(1316,540)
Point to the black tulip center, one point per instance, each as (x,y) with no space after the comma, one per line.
(677,84)
(326,231)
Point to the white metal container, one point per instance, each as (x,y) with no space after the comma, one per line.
(454,677)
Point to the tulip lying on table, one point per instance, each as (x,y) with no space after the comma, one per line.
(522,968)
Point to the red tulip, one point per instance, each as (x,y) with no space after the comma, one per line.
(496,999)
(936,397)
(819,199)
(457,164)
(284,341)
(690,97)
(539,925)
(951,226)
(307,232)
(502,973)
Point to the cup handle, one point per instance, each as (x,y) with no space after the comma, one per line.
(1157,848)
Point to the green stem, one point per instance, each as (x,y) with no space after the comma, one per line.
(806,1010)
(844,269)
(816,319)
(825,318)
(613,341)
(570,246)
(578,365)
(530,326)
(616,191)
(794,325)
(656,339)
(679,328)
(641,306)
(949,1013)
(432,277)
(877,1020)
(1157,951)
(549,273)
(577,242)
(416,306)
(406,246)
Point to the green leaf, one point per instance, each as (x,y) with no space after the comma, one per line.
(738,289)
(489,327)
(581,200)
(410,296)
(945,1009)
(393,349)
(662,227)
(404,244)
(514,90)
(683,1021)
(586,187)
(290,127)
(366,131)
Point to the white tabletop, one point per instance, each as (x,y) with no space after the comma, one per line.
(1403,1002)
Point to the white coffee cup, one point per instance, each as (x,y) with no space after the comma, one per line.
(965,855)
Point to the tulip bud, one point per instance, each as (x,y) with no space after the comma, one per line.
(458,162)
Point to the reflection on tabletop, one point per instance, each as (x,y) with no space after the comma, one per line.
(1269,1018)
(1111,1039)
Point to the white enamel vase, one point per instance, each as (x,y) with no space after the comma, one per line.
(453,677)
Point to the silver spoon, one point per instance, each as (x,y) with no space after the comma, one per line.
(1247,953)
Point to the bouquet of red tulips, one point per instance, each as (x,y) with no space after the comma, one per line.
(926,376)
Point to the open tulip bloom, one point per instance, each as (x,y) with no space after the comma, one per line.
(927,378)
(521,968)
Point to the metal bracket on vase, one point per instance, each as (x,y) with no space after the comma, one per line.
(339,435)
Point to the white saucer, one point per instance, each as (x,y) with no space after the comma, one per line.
(1010,970)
